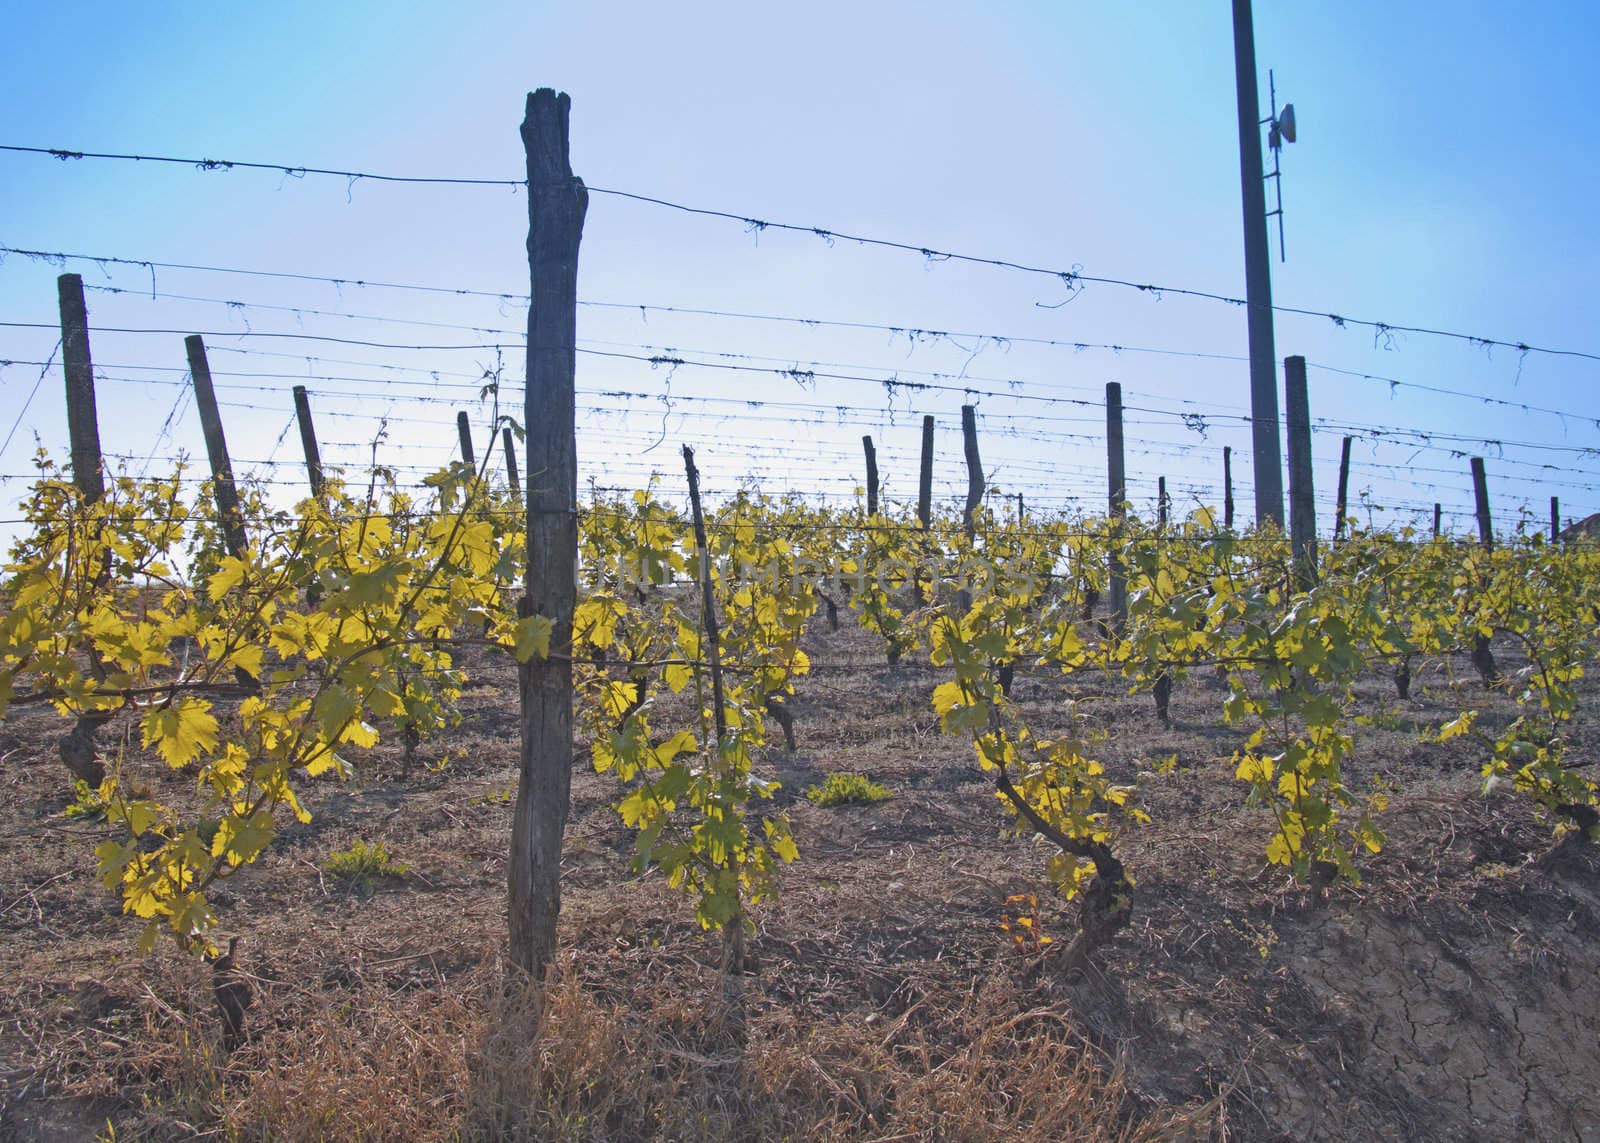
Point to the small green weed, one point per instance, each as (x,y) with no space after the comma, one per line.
(87,805)
(848,790)
(362,865)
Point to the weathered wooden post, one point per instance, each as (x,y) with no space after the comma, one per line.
(557,203)
(308,439)
(1438,511)
(1342,504)
(872,475)
(969,442)
(925,475)
(1118,499)
(77,748)
(1227,488)
(1482,656)
(733,928)
(464,431)
(1161,503)
(512,478)
(1555,519)
(1302,496)
(223,487)
(83,426)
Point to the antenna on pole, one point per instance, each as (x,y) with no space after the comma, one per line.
(1280,130)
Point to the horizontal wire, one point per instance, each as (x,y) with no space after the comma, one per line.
(910,331)
(1073,278)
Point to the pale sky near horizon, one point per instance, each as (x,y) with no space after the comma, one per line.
(1441,179)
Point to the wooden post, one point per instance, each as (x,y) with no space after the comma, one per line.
(1342,504)
(512,478)
(1480,496)
(1302,497)
(1482,656)
(1161,502)
(205,400)
(1022,510)
(872,476)
(925,475)
(1438,510)
(1555,519)
(1118,498)
(464,431)
(83,427)
(77,749)
(719,714)
(1227,487)
(308,439)
(557,203)
(733,928)
(969,441)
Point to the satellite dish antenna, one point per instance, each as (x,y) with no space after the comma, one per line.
(1280,130)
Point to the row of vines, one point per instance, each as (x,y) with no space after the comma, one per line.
(346,619)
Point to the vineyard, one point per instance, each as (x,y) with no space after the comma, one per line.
(479,808)
(361,635)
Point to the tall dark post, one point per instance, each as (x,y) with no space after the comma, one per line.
(557,203)
(969,441)
(512,479)
(1302,496)
(1161,502)
(1480,497)
(1342,505)
(308,439)
(925,475)
(1438,510)
(205,400)
(1482,656)
(733,928)
(464,431)
(77,748)
(872,475)
(1268,460)
(1555,519)
(1118,489)
(1227,487)
(83,426)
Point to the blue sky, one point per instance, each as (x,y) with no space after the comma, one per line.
(1441,179)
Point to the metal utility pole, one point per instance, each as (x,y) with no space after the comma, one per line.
(1257,277)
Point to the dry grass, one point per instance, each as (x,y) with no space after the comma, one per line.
(467,1061)
(888,1004)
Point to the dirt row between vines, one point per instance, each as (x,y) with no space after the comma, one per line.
(1455,994)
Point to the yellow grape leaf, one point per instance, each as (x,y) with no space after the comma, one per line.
(385,703)
(616,697)
(533,637)
(946,697)
(1278,850)
(359,733)
(633,808)
(248,659)
(229,575)
(179,733)
(1254,768)
(682,742)
(241,839)
(1457,726)
(677,676)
